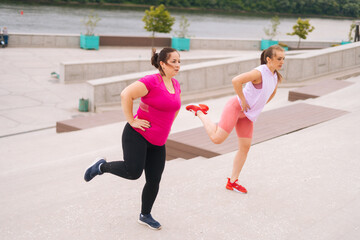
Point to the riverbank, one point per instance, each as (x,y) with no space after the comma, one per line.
(220,10)
(44,19)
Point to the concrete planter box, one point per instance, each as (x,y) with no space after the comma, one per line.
(267,43)
(89,42)
(181,44)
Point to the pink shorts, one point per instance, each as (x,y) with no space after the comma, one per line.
(233,116)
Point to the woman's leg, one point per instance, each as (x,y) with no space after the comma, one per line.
(154,167)
(135,152)
(240,157)
(244,131)
(218,133)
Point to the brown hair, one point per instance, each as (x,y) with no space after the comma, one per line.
(271,52)
(163,56)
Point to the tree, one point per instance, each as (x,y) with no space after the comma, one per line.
(183,27)
(301,29)
(157,20)
(352,28)
(91,22)
(272,32)
(351,9)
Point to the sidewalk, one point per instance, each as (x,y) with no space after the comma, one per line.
(304,185)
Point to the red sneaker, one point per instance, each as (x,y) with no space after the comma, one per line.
(197,107)
(235,186)
(204,107)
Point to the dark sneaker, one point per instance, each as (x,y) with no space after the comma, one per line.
(94,170)
(147,219)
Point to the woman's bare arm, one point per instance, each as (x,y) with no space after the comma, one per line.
(128,95)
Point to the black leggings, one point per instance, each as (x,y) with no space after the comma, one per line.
(140,155)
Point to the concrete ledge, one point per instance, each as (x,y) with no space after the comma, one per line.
(82,71)
(309,44)
(133,41)
(73,41)
(250,44)
(44,40)
(192,78)
(321,62)
(224,44)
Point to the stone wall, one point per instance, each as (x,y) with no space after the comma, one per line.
(73,41)
(44,40)
(313,64)
(81,71)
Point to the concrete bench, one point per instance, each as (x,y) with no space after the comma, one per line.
(271,124)
(317,90)
(81,71)
(317,63)
(197,77)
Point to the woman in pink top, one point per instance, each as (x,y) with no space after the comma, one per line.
(145,134)
(242,110)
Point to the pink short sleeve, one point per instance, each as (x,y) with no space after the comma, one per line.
(150,81)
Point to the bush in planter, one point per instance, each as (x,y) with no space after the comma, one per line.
(182,42)
(350,37)
(157,20)
(302,28)
(89,40)
(270,33)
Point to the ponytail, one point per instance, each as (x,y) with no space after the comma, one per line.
(154,58)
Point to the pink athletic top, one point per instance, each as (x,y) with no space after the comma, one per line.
(257,98)
(158,107)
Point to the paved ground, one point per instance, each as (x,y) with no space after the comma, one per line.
(304,185)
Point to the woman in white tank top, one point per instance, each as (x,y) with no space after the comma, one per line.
(242,110)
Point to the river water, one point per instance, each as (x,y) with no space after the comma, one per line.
(127,22)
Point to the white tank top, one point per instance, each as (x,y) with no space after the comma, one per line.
(257,98)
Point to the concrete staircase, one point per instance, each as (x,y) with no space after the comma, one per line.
(301,186)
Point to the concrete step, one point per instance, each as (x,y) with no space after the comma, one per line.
(300,185)
(289,193)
